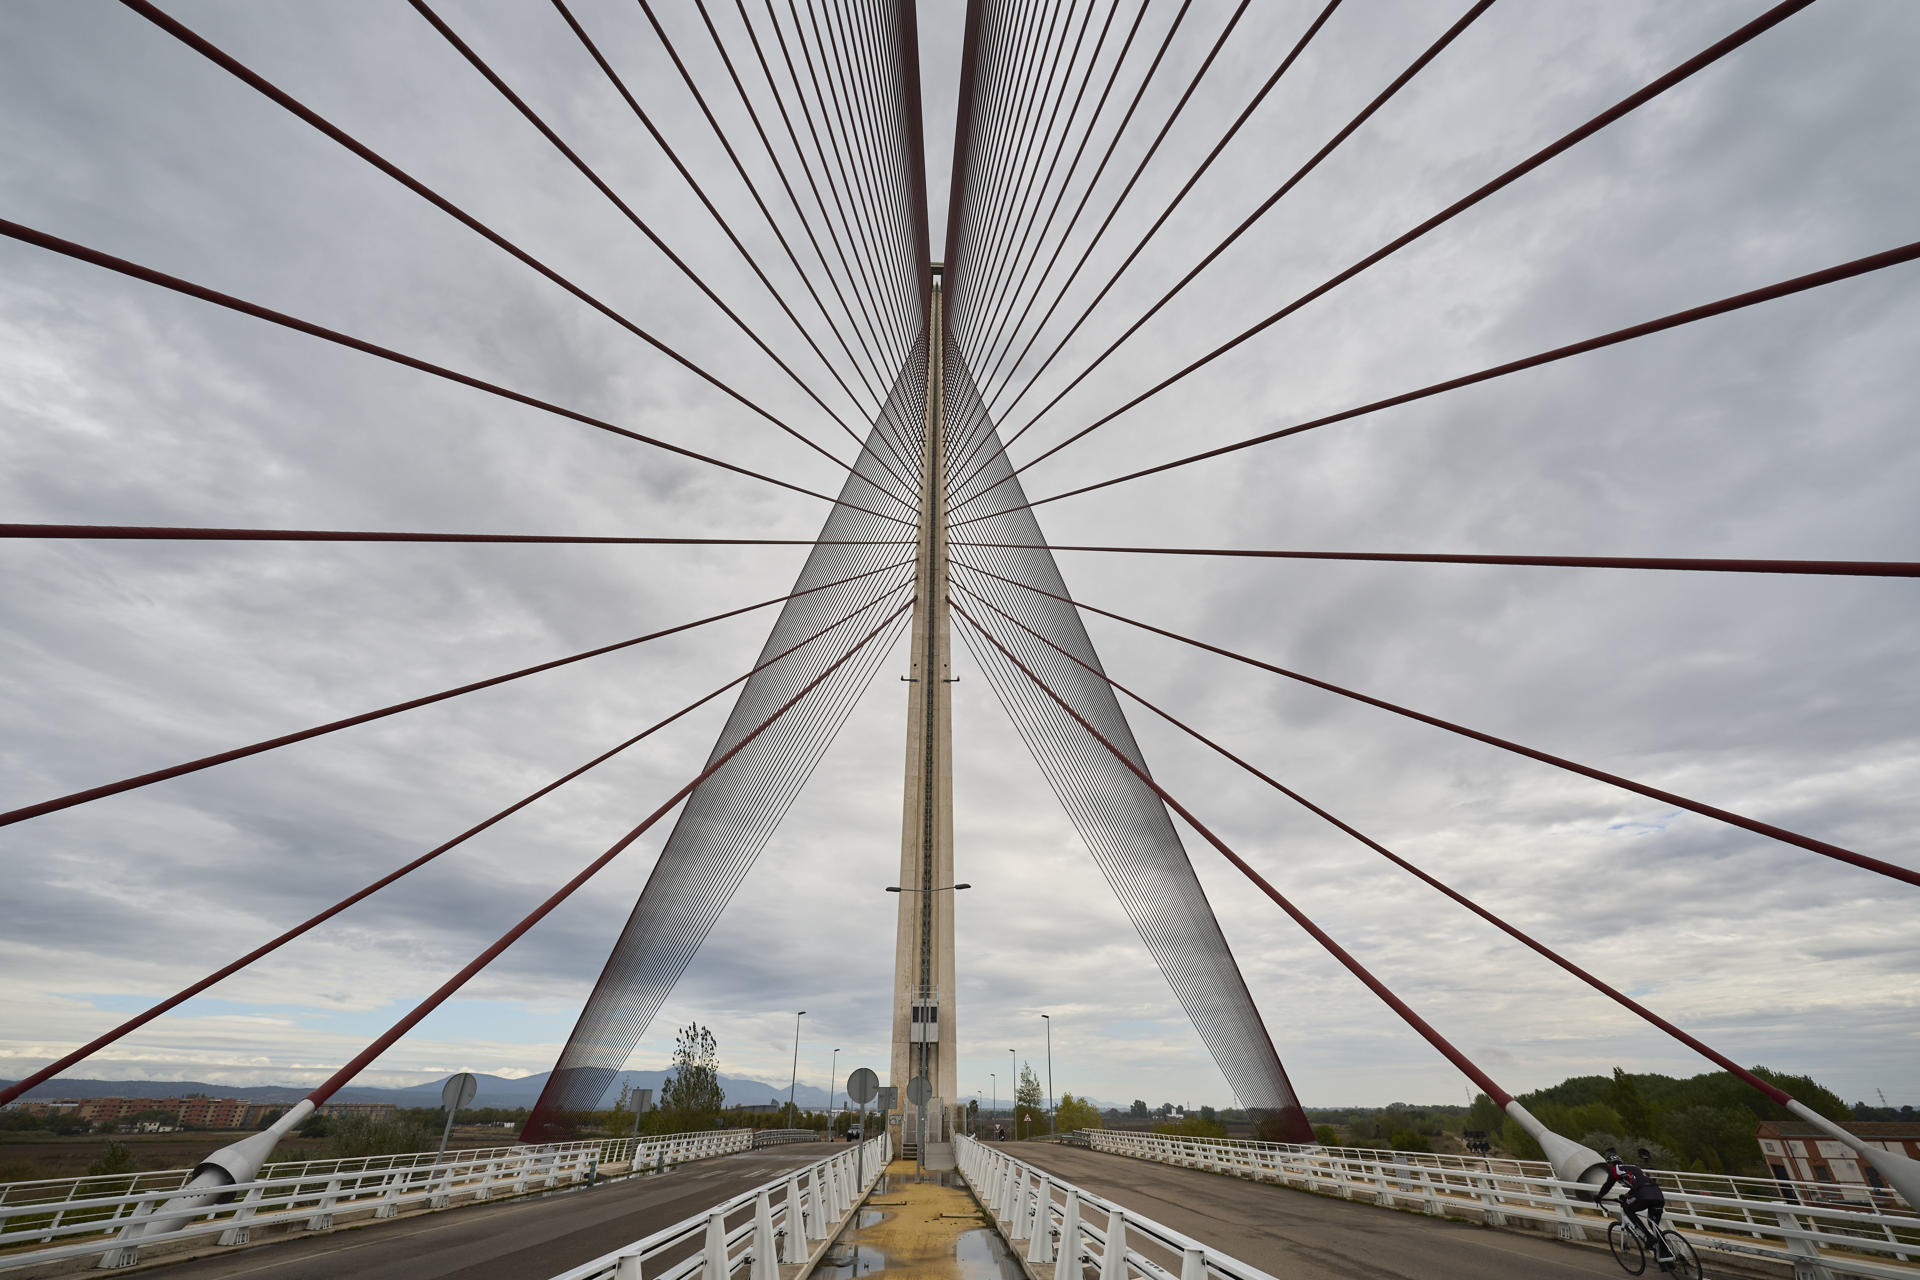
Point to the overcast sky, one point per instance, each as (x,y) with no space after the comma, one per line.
(1786,430)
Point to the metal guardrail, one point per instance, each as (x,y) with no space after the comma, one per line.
(75,1217)
(773,1224)
(1089,1228)
(775,1137)
(1813,1234)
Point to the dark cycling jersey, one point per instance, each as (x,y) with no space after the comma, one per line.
(1636,1184)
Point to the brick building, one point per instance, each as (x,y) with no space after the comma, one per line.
(381,1111)
(193,1112)
(1798,1152)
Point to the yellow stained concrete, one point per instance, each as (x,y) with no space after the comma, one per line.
(919,1234)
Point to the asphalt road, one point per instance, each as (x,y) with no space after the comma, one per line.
(528,1239)
(1302,1236)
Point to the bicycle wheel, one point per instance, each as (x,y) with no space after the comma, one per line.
(1686,1263)
(1627,1249)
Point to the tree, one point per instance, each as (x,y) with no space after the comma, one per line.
(1028,1101)
(1326,1135)
(1635,1113)
(692,1095)
(366,1136)
(1075,1113)
(1139,1109)
(1192,1126)
(316,1125)
(116,1159)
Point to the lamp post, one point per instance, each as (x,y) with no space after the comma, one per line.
(995,1077)
(1014,1108)
(793,1087)
(1048,1019)
(833,1093)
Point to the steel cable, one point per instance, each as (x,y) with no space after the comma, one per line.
(52,1069)
(1782,834)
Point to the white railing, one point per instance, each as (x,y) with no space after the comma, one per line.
(1804,1225)
(775,1137)
(1088,1228)
(775,1223)
(68,1217)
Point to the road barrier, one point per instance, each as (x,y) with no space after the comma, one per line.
(778,1222)
(1081,1227)
(73,1217)
(1821,1230)
(775,1137)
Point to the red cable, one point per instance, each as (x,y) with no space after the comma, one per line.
(1782,834)
(1619,997)
(1360,971)
(52,1069)
(1839,568)
(507,939)
(1767,293)
(133,532)
(238,753)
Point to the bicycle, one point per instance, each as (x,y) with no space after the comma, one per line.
(1630,1242)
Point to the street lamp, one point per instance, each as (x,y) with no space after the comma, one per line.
(894,888)
(795,1085)
(1014,1108)
(1048,1019)
(833,1092)
(995,1077)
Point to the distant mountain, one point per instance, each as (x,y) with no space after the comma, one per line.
(495,1091)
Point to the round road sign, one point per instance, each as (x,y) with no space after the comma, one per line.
(862,1086)
(918,1090)
(459,1091)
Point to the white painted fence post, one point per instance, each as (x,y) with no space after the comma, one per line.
(1041,1250)
(816,1210)
(766,1264)
(1563,1211)
(239,1232)
(1113,1263)
(715,1259)
(1017,1211)
(1193,1265)
(1066,1262)
(322,1218)
(1807,1262)
(795,1237)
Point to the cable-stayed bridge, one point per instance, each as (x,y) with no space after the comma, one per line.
(915,366)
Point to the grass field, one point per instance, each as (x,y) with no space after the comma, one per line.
(28,1156)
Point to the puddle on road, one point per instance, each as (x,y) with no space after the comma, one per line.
(845,1259)
(983,1255)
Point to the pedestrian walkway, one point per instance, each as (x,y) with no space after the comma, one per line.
(926,1229)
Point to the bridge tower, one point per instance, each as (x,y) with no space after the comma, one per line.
(923,987)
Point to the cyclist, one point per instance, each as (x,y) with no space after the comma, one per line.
(1639,1193)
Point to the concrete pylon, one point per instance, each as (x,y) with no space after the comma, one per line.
(923,972)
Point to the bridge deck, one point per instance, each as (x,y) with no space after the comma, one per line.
(1302,1236)
(532,1238)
